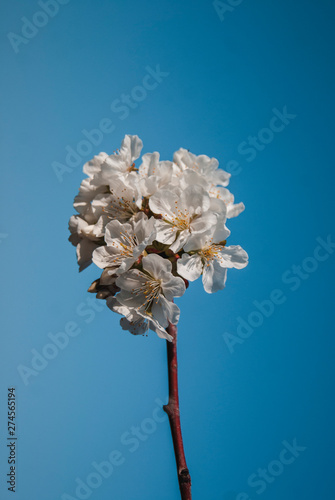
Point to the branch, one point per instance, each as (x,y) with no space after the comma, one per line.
(172,410)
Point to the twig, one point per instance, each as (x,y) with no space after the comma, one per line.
(172,410)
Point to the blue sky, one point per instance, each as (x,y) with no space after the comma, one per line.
(252,85)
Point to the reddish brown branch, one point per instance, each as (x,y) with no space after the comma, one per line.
(172,409)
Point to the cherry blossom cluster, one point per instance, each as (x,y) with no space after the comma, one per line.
(152,228)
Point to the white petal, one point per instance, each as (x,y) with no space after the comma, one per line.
(165,311)
(194,199)
(160,312)
(214,277)
(144,228)
(221,232)
(148,186)
(156,265)
(106,257)
(131,280)
(112,167)
(218,206)
(183,158)
(155,326)
(129,299)
(235,210)
(114,229)
(172,286)
(165,232)
(100,203)
(161,332)
(180,241)
(76,224)
(221,177)
(222,193)
(190,177)
(197,241)
(138,327)
(150,163)
(190,266)
(85,248)
(126,265)
(233,256)
(131,148)
(99,227)
(164,171)
(214,234)
(95,231)
(115,306)
(163,202)
(203,222)
(93,166)
(87,191)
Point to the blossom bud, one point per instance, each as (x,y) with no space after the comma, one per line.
(152,249)
(103,291)
(139,260)
(187,283)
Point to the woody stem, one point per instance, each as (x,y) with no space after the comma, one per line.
(172,410)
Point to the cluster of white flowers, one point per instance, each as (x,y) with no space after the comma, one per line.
(153,228)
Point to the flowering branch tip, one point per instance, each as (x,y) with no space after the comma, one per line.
(152,228)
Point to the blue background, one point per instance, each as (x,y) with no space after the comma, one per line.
(225,78)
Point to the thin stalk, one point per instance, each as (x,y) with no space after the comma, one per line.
(172,410)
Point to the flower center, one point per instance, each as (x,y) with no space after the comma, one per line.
(180,218)
(210,253)
(121,208)
(128,242)
(125,245)
(151,289)
(132,168)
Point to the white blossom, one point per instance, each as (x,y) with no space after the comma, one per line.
(124,243)
(183,212)
(104,195)
(154,174)
(120,164)
(202,164)
(136,323)
(206,254)
(152,228)
(152,290)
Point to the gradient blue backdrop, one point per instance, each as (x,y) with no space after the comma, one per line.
(225,78)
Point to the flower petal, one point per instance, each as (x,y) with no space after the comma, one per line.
(194,199)
(85,248)
(163,202)
(156,265)
(131,148)
(181,240)
(203,222)
(131,280)
(233,256)
(190,266)
(235,210)
(172,286)
(165,232)
(214,277)
(94,166)
(144,229)
(114,229)
(106,257)
(165,311)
